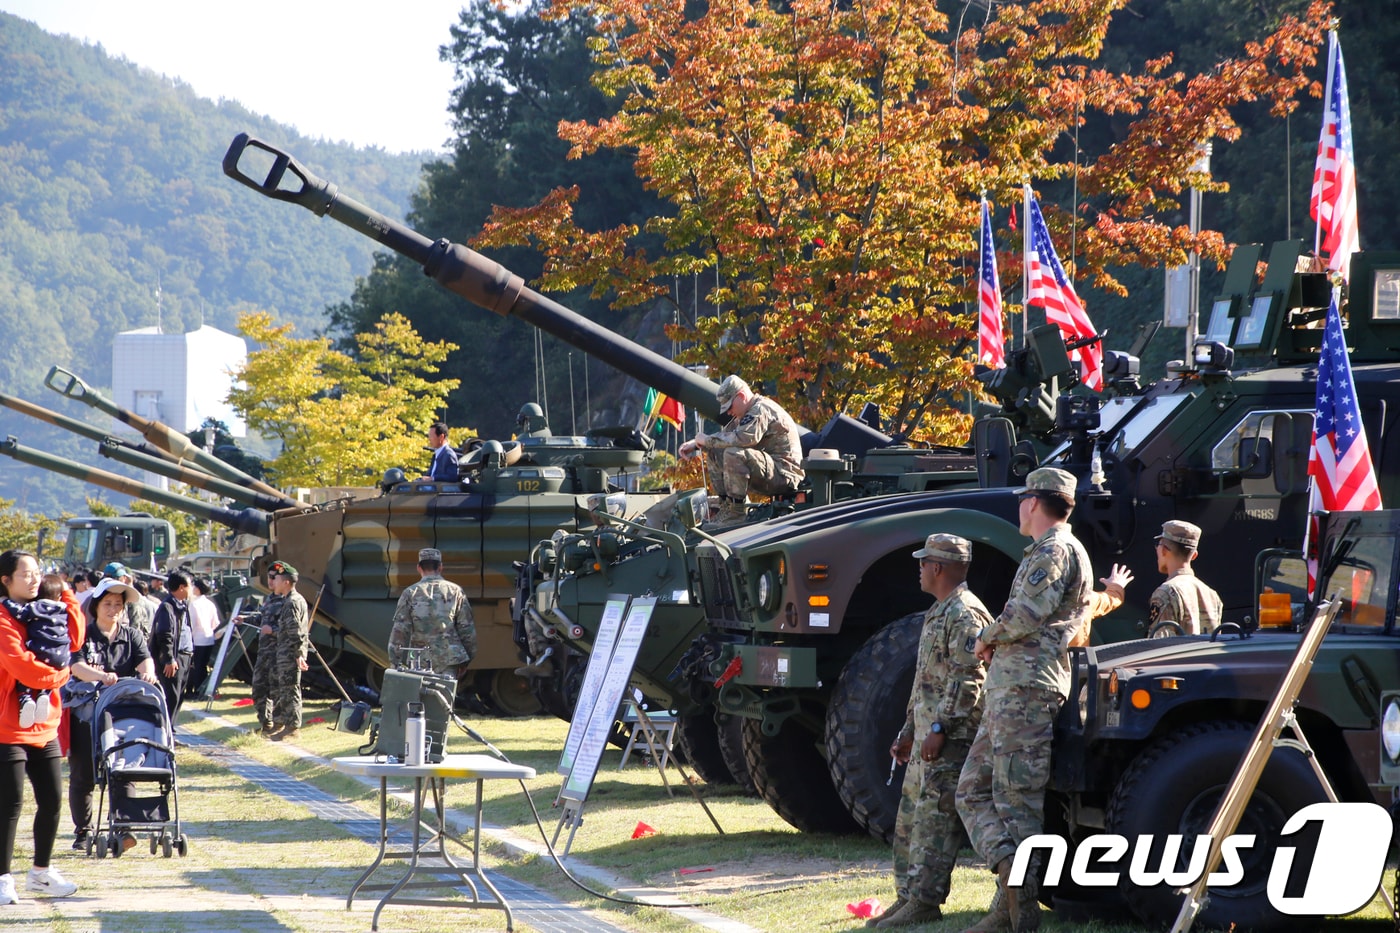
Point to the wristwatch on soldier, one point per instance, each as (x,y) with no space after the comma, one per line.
(936,729)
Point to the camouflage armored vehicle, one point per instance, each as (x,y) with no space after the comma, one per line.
(365,551)
(810,620)
(1154,729)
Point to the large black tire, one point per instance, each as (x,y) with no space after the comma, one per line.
(731,748)
(791,776)
(697,734)
(865,713)
(1174,785)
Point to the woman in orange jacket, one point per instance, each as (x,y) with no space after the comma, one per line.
(31,750)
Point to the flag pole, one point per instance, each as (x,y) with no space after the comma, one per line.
(1326,109)
(1025,263)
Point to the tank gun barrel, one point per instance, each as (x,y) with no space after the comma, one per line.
(113,449)
(245,521)
(465,272)
(161,435)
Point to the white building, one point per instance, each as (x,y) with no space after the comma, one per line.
(177,379)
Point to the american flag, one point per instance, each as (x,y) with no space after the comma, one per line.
(1050,288)
(991,346)
(1333,203)
(1339,464)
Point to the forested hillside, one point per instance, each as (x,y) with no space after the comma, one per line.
(115,214)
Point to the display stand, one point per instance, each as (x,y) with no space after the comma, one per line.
(592,723)
(216,675)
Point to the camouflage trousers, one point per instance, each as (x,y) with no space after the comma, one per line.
(286,695)
(264,672)
(737,471)
(535,638)
(1001,792)
(927,830)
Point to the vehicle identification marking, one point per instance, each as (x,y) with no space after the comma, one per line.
(782,665)
(819,620)
(1114,718)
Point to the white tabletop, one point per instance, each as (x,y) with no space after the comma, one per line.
(472,767)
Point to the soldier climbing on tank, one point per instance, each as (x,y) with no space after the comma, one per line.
(434,617)
(759,450)
(944,711)
(1182,605)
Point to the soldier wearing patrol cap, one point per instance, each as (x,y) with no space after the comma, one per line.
(283,641)
(1001,792)
(1182,602)
(944,712)
(759,450)
(434,615)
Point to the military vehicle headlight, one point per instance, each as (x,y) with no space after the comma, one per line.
(1390,730)
(769,585)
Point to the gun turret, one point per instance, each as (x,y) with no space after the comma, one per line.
(467,273)
(245,521)
(113,449)
(163,436)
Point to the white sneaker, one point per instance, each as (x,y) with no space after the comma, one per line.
(50,882)
(28,711)
(8,894)
(43,707)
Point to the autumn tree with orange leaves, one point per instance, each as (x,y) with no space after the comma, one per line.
(825,161)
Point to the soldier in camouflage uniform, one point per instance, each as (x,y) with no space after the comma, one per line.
(434,615)
(759,451)
(1183,599)
(1001,792)
(283,641)
(944,711)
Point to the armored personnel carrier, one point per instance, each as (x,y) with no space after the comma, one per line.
(811,620)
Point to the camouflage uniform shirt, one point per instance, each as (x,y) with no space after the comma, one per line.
(766,427)
(141,616)
(1188,602)
(1049,602)
(434,614)
(948,677)
(292,631)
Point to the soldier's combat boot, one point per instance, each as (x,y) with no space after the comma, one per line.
(540,667)
(910,914)
(998,918)
(730,511)
(1022,903)
(890,911)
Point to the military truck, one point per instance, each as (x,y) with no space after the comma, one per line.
(1154,729)
(810,620)
(137,539)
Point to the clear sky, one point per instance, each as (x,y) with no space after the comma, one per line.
(359,71)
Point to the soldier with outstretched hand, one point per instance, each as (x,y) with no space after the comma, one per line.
(1001,792)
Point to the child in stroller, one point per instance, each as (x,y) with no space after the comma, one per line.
(133,749)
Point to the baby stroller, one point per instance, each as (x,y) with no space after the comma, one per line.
(133,754)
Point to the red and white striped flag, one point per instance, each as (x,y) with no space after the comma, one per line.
(991,346)
(1340,471)
(1333,203)
(1049,287)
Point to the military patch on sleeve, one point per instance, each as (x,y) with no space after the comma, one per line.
(1037,576)
(971,644)
(1154,613)
(747,419)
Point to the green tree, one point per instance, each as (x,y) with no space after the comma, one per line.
(20,529)
(341,419)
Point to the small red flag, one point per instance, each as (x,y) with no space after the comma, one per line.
(642,831)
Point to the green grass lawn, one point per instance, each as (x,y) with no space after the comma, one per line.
(259,862)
